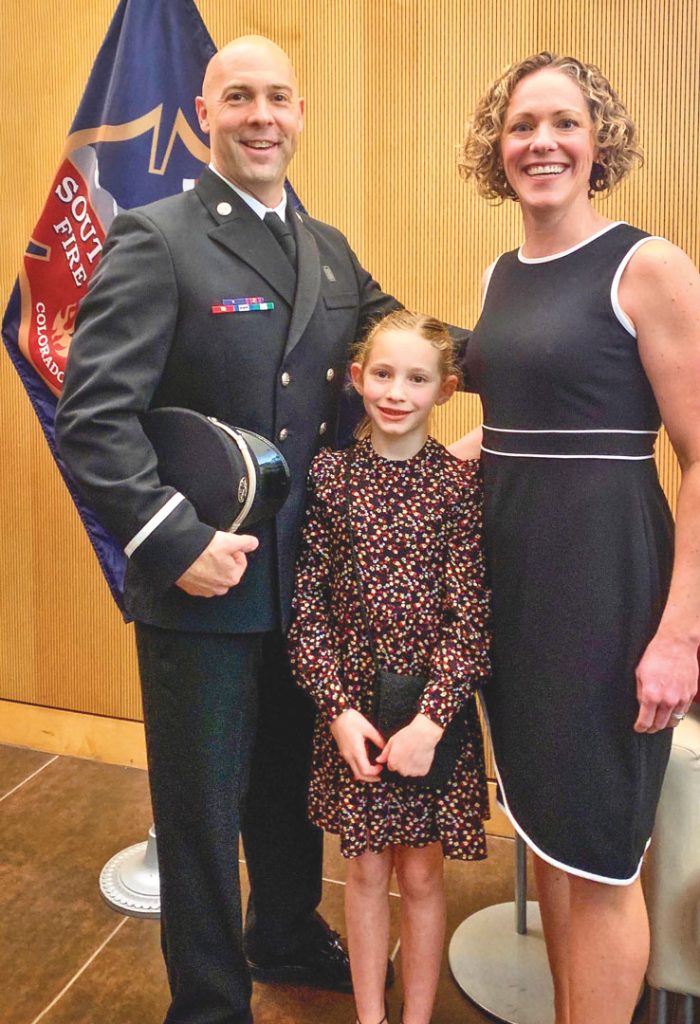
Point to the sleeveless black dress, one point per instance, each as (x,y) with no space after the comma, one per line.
(579,546)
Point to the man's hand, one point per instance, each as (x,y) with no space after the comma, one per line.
(219,567)
(410,751)
(351,731)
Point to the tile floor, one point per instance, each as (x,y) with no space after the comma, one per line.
(67,958)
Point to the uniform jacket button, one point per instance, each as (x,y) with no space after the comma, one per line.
(323,428)
(285,379)
(330,373)
(283,434)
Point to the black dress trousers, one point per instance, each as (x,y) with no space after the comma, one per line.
(204,695)
(283,850)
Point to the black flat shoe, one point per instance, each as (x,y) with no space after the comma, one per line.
(321,963)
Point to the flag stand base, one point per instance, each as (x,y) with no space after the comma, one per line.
(129,882)
(499,960)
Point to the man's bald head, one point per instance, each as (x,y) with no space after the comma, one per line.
(245,48)
(251,109)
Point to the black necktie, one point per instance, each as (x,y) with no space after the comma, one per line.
(284,235)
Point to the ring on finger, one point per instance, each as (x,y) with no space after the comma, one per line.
(678,715)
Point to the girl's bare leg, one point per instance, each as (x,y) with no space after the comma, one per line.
(421,884)
(367,922)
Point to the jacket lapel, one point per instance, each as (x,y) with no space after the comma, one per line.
(308,278)
(242,232)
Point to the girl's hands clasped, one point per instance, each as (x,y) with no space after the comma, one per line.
(410,751)
(352,731)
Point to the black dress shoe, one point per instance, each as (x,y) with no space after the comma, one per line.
(322,963)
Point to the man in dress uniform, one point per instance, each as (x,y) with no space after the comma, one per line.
(225,301)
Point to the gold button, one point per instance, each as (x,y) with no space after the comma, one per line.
(283,434)
(286,379)
(323,428)
(330,373)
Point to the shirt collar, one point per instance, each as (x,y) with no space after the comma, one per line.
(256,206)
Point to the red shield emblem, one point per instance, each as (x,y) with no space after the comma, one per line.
(64,250)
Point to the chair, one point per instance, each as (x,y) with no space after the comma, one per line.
(672,877)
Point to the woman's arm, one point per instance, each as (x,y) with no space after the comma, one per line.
(467,447)
(660,292)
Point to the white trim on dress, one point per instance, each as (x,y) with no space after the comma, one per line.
(567,252)
(617,308)
(532,455)
(592,430)
(540,455)
(503,804)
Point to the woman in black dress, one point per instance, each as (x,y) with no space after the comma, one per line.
(589,336)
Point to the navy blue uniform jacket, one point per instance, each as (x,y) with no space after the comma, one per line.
(146,336)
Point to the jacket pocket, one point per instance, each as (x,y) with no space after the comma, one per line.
(341,300)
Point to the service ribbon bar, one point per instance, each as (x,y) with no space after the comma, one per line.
(242,307)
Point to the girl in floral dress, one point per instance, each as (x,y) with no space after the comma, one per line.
(415,512)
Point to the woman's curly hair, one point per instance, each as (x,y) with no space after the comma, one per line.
(614,132)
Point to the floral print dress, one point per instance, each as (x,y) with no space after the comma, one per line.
(417,529)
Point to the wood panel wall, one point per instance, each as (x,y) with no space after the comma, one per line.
(389,85)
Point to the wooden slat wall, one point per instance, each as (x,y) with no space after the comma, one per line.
(389,86)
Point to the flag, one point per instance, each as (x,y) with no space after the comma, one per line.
(135,138)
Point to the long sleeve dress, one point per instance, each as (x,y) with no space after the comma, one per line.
(417,530)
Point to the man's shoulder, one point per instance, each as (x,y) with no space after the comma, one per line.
(173,219)
(166,209)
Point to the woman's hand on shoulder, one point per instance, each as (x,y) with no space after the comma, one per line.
(352,732)
(410,751)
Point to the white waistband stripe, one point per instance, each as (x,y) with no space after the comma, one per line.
(602,430)
(533,455)
(153,523)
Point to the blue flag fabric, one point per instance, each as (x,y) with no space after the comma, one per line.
(135,138)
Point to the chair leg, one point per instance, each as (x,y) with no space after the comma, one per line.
(659,1006)
(688,1010)
(520,885)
